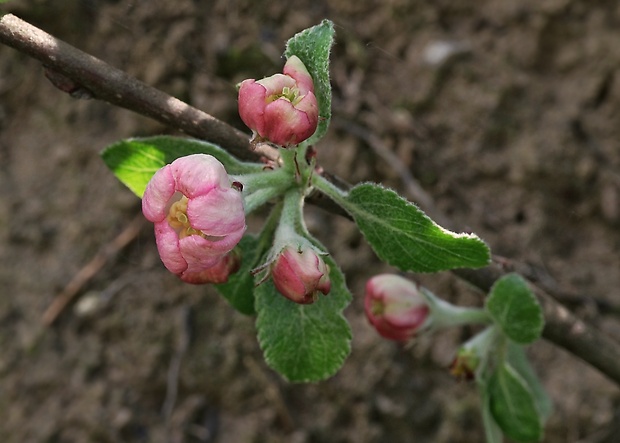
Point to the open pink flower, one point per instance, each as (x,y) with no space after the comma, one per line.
(198,214)
(282,108)
(300,275)
(395,307)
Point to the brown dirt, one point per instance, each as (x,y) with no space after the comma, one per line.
(515,137)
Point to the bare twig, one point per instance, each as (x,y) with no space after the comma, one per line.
(91,269)
(92,76)
(114,86)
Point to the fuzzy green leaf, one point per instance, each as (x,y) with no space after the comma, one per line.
(519,362)
(134,161)
(492,431)
(515,309)
(304,343)
(405,237)
(313,46)
(513,406)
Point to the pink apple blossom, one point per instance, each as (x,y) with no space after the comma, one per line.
(395,307)
(300,275)
(282,108)
(197,212)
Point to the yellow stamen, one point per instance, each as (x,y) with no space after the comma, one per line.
(178,220)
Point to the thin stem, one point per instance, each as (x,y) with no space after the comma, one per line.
(329,189)
(446,314)
(259,198)
(482,344)
(112,85)
(451,315)
(291,223)
(292,214)
(278,178)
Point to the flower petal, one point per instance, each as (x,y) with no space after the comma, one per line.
(310,106)
(217,213)
(395,307)
(288,282)
(411,318)
(391,333)
(276,83)
(285,125)
(295,68)
(252,101)
(198,174)
(299,276)
(157,194)
(198,253)
(168,247)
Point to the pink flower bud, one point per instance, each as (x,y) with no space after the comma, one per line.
(198,214)
(395,307)
(300,275)
(282,108)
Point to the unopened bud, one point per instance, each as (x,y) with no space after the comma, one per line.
(395,307)
(300,274)
(282,108)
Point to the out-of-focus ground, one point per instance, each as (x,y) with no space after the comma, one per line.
(506,113)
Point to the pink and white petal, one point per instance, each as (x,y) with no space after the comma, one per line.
(218,273)
(217,213)
(310,106)
(389,285)
(391,333)
(227,243)
(305,264)
(198,174)
(276,83)
(287,281)
(198,253)
(252,100)
(283,122)
(157,194)
(295,68)
(411,318)
(168,246)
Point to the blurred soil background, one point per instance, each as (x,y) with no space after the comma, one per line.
(505,113)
